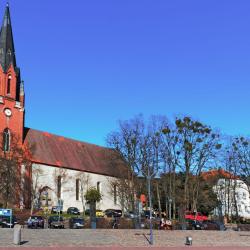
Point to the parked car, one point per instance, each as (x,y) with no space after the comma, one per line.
(73,210)
(214,225)
(35,222)
(7,222)
(55,210)
(197,216)
(99,213)
(113,213)
(194,225)
(130,215)
(56,221)
(76,223)
(146,214)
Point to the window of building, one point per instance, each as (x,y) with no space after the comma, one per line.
(246,208)
(244,196)
(98,186)
(8,85)
(115,194)
(239,209)
(59,186)
(6,140)
(77,189)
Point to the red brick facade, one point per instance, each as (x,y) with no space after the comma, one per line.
(12,99)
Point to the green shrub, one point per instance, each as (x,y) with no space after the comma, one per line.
(92,195)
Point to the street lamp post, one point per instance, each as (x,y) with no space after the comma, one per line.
(151,240)
(149,179)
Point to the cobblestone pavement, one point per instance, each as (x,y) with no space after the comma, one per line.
(129,248)
(123,238)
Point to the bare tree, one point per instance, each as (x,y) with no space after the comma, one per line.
(13,155)
(198,146)
(126,143)
(37,172)
(60,178)
(155,127)
(84,180)
(170,154)
(237,163)
(118,188)
(241,149)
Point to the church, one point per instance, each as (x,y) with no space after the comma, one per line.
(62,169)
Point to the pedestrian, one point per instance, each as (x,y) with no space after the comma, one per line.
(162,224)
(21,206)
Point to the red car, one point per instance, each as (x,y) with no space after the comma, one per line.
(197,216)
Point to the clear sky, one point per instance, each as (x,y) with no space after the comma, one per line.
(87,64)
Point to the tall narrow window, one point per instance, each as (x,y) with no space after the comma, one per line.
(115,194)
(98,186)
(77,189)
(6,140)
(8,85)
(59,186)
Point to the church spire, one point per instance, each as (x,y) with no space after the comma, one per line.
(7,51)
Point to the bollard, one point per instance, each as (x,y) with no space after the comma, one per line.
(17,235)
(93,224)
(189,241)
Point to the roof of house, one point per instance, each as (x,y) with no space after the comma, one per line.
(58,151)
(221,173)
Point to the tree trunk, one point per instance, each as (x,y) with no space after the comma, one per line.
(186,190)
(174,193)
(32,208)
(174,209)
(93,215)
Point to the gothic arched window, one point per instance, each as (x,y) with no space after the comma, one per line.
(8,85)
(98,186)
(115,194)
(77,189)
(59,186)
(6,140)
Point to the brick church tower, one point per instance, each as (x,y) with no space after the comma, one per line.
(11,86)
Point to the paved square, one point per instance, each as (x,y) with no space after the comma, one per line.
(122,238)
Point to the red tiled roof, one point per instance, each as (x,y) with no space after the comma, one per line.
(217,173)
(59,151)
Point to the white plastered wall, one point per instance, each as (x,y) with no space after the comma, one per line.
(68,186)
(226,195)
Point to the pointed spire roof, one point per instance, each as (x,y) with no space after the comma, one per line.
(7,50)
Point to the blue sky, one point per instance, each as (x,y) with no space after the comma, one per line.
(87,64)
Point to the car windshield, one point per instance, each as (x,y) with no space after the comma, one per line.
(56,218)
(36,217)
(78,220)
(7,218)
